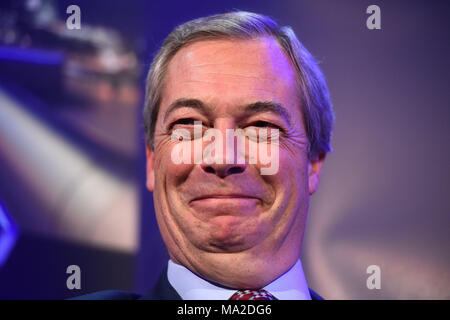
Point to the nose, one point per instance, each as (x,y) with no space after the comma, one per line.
(224,170)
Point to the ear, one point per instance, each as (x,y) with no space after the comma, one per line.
(314,169)
(150,168)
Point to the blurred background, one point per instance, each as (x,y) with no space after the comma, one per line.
(72,171)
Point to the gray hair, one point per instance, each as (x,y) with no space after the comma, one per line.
(314,97)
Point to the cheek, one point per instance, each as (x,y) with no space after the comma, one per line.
(292,174)
(168,172)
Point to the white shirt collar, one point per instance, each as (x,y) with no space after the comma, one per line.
(289,286)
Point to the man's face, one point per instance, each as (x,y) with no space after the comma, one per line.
(227,222)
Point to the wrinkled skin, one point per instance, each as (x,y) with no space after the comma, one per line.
(227,222)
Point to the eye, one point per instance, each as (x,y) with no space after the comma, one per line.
(186,129)
(183,121)
(264,124)
(260,129)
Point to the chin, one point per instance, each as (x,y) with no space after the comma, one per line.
(235,242)
(237,270)
(243,280)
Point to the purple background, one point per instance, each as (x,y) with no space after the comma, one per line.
(384,194)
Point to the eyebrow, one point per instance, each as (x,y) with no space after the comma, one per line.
(268,106)
(187,103)
(249,109)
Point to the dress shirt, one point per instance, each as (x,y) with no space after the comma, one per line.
(289,286)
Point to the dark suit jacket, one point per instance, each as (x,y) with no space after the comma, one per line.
(163,290)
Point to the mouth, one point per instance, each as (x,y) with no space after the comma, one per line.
(225,197)
(225,204)
(223,211)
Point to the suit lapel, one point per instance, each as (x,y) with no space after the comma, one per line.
(314,295)
(162,290)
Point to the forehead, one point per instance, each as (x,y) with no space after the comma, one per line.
(230,72)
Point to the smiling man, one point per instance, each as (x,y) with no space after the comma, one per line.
(232,232)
